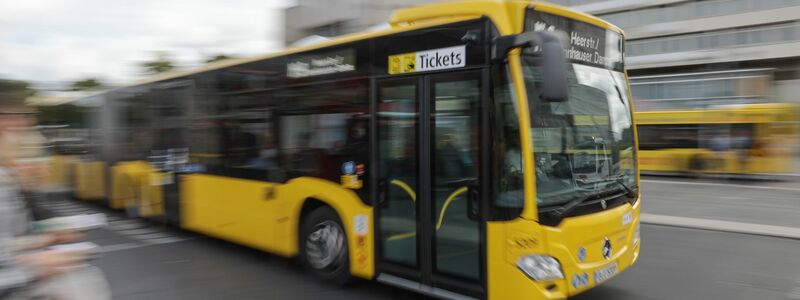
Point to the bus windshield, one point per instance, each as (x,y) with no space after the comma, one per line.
(583,146)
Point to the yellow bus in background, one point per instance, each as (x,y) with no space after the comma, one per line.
(723,139)
(473,149)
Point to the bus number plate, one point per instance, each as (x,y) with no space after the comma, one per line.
(605,273)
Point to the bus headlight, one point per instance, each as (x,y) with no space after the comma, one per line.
(540,267)
(636,234)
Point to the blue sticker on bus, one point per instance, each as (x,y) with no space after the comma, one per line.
(349,167)
(580,280)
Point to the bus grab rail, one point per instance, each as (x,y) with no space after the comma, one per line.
(411,193)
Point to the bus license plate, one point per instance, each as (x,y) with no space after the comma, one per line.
(605,273)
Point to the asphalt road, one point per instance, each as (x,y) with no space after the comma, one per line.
(145,261)
(757,202)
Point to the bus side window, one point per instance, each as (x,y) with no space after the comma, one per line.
(325,127)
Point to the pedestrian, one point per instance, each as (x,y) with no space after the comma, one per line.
(29,268)
(23,148)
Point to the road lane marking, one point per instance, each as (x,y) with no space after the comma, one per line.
(718,225)
(119,247)
(136,231)
(780,188)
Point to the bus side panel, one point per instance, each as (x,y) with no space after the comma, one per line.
(675,160)
(355,215)
(151,195)
(507,241)
(229,208)
(60,175)
(125,179)
(90,180)
(267,216)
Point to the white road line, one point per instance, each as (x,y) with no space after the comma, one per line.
(718,225)
(128,246)
(62,204)
(166,240)
(152,236)
(126,226)
(794,294)
(64,208)
(118,247)
(137,231)
(780,188)
(74,210)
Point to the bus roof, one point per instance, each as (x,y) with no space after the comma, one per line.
(502,12)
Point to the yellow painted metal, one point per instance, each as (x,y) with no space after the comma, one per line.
(446,204)
(506,15)
(406,188)
(126,179)
(241,211)
(590,232)
(733,114)
(151,201)
(775,134)
(449,199)
(506,242)
(530,210)
(90,180)
(60,173)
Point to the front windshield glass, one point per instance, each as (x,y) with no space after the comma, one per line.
(583,146)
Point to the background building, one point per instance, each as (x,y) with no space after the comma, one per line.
(336,17)
(679,53)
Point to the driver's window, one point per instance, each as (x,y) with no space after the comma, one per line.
(507,173)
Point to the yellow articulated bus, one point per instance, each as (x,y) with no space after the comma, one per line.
(722,139)
(474,149)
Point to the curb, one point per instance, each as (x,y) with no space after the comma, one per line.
(725,226)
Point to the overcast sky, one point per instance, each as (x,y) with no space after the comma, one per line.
(68,40)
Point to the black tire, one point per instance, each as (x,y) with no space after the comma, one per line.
(697,166)
(323,222)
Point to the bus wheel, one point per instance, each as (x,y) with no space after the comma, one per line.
(697,166)
(323,246)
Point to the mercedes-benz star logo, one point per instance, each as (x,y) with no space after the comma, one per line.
(606,248)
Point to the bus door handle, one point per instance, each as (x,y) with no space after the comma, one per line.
(473,202)
(383,186)
(269,193)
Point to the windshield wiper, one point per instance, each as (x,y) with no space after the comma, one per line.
(562,210)
(631,193)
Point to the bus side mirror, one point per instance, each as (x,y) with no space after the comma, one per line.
(554,68)
(553,62)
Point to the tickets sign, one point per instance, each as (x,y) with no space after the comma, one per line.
(428,60)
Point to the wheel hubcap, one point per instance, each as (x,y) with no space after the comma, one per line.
(325,245)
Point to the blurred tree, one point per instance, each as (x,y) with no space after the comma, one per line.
(161,63)
(218,57)
(87,85)
(64,114)
(19,90)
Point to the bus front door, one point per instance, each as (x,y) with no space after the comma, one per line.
(428,152)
